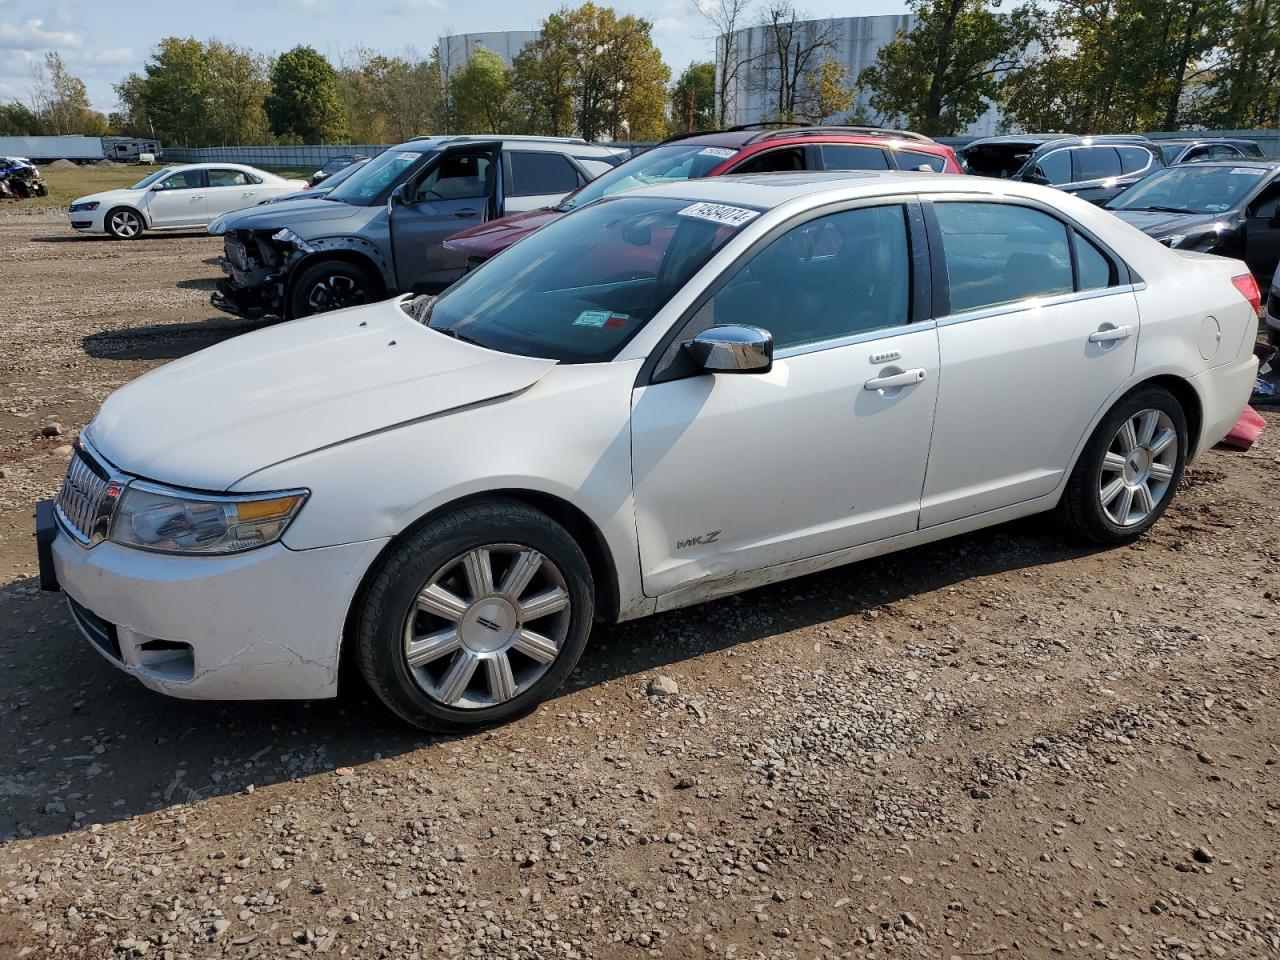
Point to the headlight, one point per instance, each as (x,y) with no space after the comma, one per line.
(288,236)
(152,517)
(218,227)
(1173,240)
(91,205)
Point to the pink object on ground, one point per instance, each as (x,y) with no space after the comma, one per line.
(1247,429)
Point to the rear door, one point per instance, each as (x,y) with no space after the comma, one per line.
(230,190)
(455,191)
(532,179)
(853,156)
(1039,328)
(1095,173)
(778,160)
(179,200)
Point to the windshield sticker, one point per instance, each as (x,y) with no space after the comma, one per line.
(603,319)
(406,156)
(1248,171)
(720,213)
(723,152)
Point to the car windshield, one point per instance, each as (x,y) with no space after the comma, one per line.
(579,289)
(336,164)
(1191,188)
(148,181)
(659,165)
(368,184)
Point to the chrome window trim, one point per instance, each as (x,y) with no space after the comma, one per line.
(853,339)
(1033,303)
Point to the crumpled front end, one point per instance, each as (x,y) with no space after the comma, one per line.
(257,266)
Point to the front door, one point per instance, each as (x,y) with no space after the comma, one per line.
(825,451)
(451,194)
(179,200)
(1040,332)
(1262,233)
(230,190)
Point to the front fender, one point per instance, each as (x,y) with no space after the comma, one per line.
(344,247)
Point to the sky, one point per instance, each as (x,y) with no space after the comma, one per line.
(103,40)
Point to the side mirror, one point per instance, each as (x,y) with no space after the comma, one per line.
(400,195)
(1035,176)
(732,348)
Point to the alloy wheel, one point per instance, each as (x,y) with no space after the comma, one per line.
(125,224)
(1137,469)
(335,292)
(486,626)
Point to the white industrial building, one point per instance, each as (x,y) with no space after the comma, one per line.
(855,41)
(456,50)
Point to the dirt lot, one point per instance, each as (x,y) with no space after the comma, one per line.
(1002,746)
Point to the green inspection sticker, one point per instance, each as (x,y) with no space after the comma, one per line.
(593,318)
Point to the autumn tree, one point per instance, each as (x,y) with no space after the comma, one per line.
(1237,84)
(390,99)
(725,18)
(480,95)
(61,100)
(304,103)
(693,98)
(236,88)
(544,79)
(944,72)
(794,49)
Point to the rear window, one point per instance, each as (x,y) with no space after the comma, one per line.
(1095,163)
(1133,159)
(533,174)
(849,156)
(914,160)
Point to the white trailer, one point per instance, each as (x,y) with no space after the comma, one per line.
(44,149)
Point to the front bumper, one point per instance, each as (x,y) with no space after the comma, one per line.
(252,288)
(265,624)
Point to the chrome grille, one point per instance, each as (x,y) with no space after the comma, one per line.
(85,501)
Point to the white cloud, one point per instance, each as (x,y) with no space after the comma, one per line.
(416,6)
(34,35)
(111,57)
(669,26)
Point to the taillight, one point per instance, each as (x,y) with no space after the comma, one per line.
(1248,287)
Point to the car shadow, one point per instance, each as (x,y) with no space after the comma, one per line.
(88,744)
(103,238)
(167,341)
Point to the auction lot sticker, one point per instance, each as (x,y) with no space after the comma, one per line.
(720,213)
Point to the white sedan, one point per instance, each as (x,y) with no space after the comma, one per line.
(671,395)
(177,197)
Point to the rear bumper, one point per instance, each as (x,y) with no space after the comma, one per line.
(1224,391)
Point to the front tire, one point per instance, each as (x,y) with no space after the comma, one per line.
(330,285)
(124,224)
(476,618)
(1128,471)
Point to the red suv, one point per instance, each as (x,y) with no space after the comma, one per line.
(753,148)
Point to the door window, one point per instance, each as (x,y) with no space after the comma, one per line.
(458,176)
(914,160)
(1133,159)
(1055,167)
(774,161)
(1095,163)
(228,178)
(183,180)
(1001,253)
(534,174)
(1094,270)
(839,275)
(1267,205)
(848,156)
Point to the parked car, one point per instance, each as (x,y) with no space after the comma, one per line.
(1272,314)
(334,165)
(183,196)
(380,232)
(649,403)
(1094,168)
(316,192)
(1229,208)
(1194,150)
(752,148)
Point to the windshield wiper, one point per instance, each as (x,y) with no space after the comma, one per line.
(420,307)
(451,332)
(1159,209)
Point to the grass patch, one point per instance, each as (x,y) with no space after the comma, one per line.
(67,183)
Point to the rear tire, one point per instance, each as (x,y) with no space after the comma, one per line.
(331,285)
(124,224)
(1128,471)
(476,617)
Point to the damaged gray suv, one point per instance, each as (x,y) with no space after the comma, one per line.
(380,232)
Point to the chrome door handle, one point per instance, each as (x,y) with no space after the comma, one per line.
(907,378)
(464,214)
(198,196)
(1113,333)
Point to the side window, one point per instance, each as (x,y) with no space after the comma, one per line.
(1267,204)
(457,176)
(835,276)
(1001,253)
(1094,270)
(184,180)
(1095,163)
(1133,159)
(912,160)
(1224,151)
(228,178)
(1196,154)
(774,161)
(849,156)
(1055,166)
(533,174)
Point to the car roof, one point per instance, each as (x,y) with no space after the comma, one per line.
(1262,164)
(773,135)
(1059,139)
(550,144)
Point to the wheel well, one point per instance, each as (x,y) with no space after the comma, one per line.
(352,257)
(124,206)
(584,532)
(1188,399)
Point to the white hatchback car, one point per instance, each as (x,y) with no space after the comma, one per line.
(176,197)
(667,396)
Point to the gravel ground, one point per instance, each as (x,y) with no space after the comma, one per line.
(1001,746)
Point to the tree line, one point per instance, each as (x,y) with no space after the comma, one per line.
(1082,66)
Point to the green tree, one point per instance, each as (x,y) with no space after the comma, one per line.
(544,77)
(827,91)
(18,120)
(941,75)
(1239,84)
(480,95)
(693,98)
(390,99)
(237,88)
(171,95)
(62,101)
(304,102)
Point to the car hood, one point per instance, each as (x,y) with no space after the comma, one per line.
(292,215)
(315,193)
(490,239)
(1156,223)
(113,196)
(211,419)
